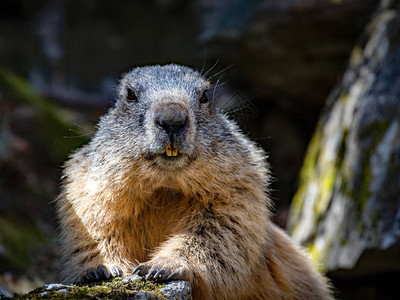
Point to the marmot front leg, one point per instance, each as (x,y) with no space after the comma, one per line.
(167,263)
(88,266)
(83,259)
(162,269)
(214,250)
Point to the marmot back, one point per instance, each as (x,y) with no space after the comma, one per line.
(169,188)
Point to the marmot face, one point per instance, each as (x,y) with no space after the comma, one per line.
(168,108)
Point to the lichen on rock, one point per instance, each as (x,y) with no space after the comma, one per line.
(348,198)
(129,287)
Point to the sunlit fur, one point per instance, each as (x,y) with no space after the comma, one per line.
(205,212)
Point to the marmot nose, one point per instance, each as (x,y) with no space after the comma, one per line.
(172,118)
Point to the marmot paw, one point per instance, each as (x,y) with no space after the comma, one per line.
(160,272)
(102,272)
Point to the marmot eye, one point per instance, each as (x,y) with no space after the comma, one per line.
(130,95)
(204,98)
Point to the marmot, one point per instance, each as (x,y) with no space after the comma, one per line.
(171,189)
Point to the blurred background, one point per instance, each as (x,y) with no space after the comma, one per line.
(320,75)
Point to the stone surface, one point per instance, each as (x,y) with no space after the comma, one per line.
(348,202)
(4,294)
(129,287)
(179,290)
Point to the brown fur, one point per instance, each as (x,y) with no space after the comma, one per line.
(210,221)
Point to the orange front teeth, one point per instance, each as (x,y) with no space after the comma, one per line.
(171,150)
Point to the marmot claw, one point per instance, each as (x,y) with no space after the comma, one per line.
(155,273)
(101,273)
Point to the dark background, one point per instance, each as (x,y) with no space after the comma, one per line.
(275,61)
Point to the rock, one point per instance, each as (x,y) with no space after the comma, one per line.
(4,294)
(347,208)
(179,290)
(348,202)
(129,287)
(53,286)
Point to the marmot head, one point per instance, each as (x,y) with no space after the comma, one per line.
(163,114)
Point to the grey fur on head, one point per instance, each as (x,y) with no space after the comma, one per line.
(172,95)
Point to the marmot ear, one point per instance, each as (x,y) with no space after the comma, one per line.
(131,95)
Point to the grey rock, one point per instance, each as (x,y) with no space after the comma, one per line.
(4,294)
(174,290)
(143,296)
(348,202)
(131,278)
(180,290)
(53,286)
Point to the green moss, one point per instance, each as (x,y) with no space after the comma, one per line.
(111,289)
(320,169)
(344,97)
(325,179)
(360,191)
(306,174)
(375,130)
(361,197)
(319,253)
(356,55)
(373,134)
(316,257)
(326,182)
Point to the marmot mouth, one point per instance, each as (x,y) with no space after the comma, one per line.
(171,150)
(168,161)
(171,154)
